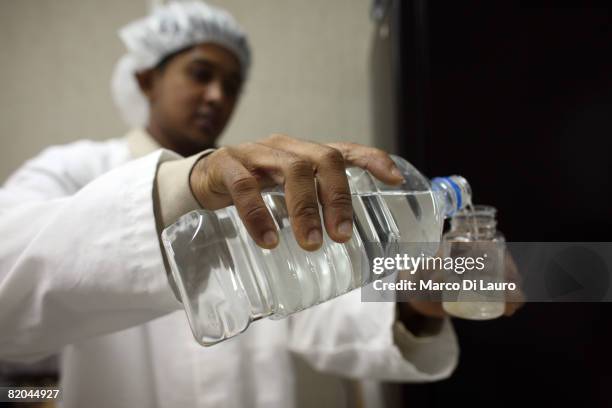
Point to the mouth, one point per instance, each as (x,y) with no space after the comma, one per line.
(207,122)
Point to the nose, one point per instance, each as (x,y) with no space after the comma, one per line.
(213,92)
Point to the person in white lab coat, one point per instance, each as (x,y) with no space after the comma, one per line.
(82,271)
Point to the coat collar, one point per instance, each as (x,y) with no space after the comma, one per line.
(141,143)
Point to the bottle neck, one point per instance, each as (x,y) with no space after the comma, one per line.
(453,194)
(479,222)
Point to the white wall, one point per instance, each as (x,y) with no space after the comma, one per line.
(309,77)
(54,72)
(310,69)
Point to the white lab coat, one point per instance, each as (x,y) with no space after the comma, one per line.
(81,273)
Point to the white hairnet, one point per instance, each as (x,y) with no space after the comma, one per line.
(169,29)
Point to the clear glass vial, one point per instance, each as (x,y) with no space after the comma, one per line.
(474,233)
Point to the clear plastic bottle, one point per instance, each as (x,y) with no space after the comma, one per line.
(226,281)
(473,233)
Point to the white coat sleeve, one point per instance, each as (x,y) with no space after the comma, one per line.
(364,340)
(81,265)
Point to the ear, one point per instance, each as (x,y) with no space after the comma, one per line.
(146,82)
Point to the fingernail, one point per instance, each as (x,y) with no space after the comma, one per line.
(345,228)
(314,237)
(396,173)
(270,238)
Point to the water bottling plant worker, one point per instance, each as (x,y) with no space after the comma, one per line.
(81,268)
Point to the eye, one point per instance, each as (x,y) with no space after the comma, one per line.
(231,87)
(201,75)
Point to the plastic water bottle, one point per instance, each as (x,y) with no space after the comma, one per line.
(226,281)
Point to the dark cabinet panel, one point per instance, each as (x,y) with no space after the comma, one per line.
(517,97)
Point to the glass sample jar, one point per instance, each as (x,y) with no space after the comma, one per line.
(473,235)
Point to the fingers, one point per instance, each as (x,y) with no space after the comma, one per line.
(296,173)
(302,204)
(333,189)
(514,301)
(245,193)
(515,298)
(374,160)
(511,308)
(237,175)
(428,308)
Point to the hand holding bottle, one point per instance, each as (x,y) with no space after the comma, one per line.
(236,175)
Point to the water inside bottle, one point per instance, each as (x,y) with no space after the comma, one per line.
(400,217)
(288,279)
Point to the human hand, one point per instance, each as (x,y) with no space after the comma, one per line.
(235,175)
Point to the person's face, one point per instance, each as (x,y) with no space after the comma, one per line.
(192,97)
